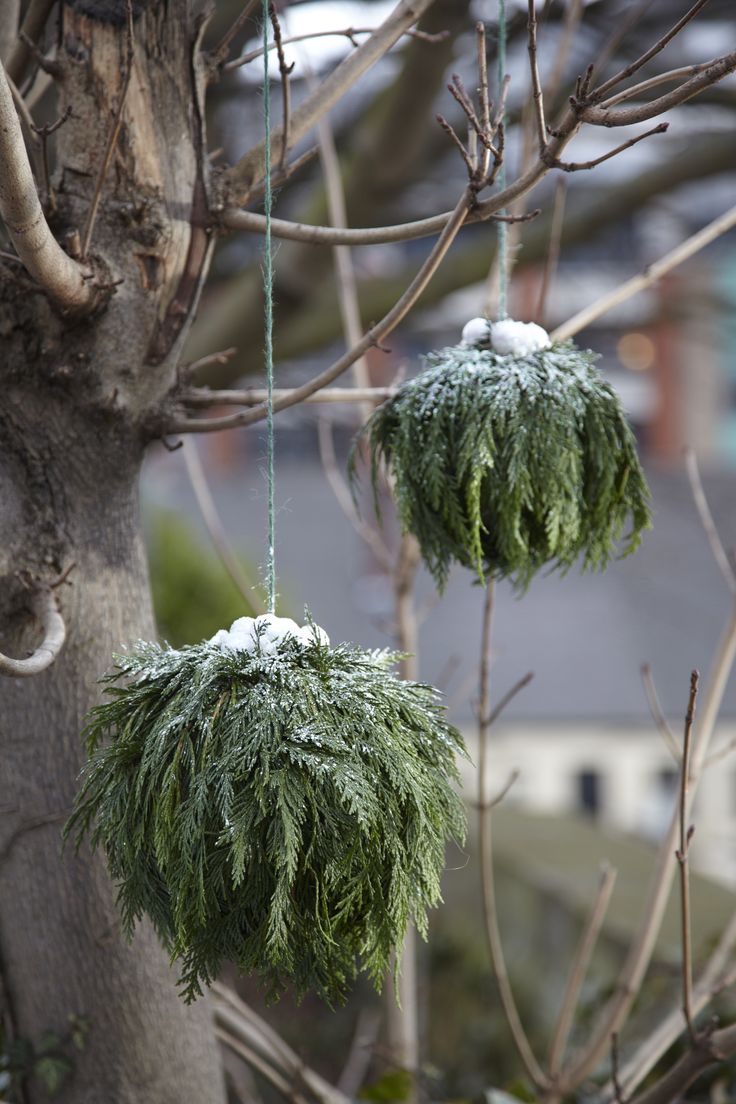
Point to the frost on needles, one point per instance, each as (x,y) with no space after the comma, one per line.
(506,463)
(285,810)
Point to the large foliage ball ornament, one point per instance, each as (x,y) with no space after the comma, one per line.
(509,453)
(273,801)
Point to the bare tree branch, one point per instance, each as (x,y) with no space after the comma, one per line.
(669,1027)
(371,338)
(650,276)
(240,179)
(537,97)
(706,519)
(31,29)
(372,235)
(63,278)
(712,72)
(578,166)
(711,1049)
(213,523)
(346,32)
(617,1010)
(235,1017)
(657,48)
(655,708)
(579,969)
(255,396)
(636,90)
(46,610)
(682,855)
(490,912)
(218,54)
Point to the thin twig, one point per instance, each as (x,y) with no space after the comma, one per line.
(507,698)
(706,520)
(579,968)
(657,48)
(254,1059)
(34,22)
(218,55)
(669,1027)
(683,73)
(213,523)
(366,532)
(45,608)
(682,855)
(722,753)
(573,15)
(112,138)
(483,93)
(579,166)
(712,72)
(222,357)
(537,97)
(493,935)
(346,32)
(615,1068)
(284,71)
(553,249)
(655,708)
(234,1016)
(44,133)
(249,170)
(671,1086)
(654,272)
(360,1053)
(614,1015)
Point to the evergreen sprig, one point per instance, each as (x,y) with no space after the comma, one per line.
(288,813)
(504,464)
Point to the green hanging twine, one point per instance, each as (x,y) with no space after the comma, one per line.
(268,316)
(268,799)
(510,453)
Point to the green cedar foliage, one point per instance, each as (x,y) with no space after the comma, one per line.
(505,464)
(288,813)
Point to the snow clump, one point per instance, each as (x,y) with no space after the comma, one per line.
(266,634)
(507,337)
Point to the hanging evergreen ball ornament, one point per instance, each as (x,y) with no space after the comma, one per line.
(510,453)
(273,801)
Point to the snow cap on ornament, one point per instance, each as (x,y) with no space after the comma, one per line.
(510,453)
(267,634)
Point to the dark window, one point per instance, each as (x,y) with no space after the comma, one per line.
(589,791)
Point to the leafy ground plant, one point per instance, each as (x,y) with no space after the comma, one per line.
(506,464)
(286,811)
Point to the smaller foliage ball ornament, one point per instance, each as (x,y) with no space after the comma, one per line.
(273,801)
(509,453)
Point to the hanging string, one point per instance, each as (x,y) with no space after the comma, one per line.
(268,315)
(503,261)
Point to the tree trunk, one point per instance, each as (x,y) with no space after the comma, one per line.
(79,405)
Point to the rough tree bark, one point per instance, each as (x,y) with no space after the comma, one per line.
(74,421)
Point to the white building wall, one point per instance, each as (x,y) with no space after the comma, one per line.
(632,766)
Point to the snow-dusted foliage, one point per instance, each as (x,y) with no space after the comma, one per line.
(507,463)
(285,809)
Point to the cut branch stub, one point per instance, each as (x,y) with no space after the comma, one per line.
(45,608)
